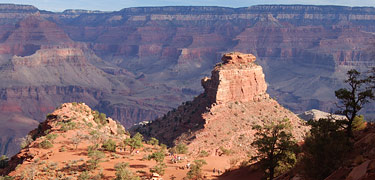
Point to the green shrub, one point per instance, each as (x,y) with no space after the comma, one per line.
(226,152)
(159,168)
(325,148)
(85,175)
(153,141)
(180,149)
(95,158)
(6,178)
(195,171)
(203,153)
(92,149)
(65,126)
(45,144)
(100,118)
(51,137)
(157,156)
(163,146)
(27,140)
(3,161)
(120,128)
(359,123)
(109,145)
(123,172)
(134,142)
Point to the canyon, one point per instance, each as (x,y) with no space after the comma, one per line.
(222,117)
(136,64)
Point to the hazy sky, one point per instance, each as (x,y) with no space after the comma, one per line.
(111,5)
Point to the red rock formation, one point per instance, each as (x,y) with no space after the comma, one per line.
(237,79)
(235,98)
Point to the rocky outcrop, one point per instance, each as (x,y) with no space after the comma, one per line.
(236,79)
(69,121)
(315,115)
(234,100)
(146,61)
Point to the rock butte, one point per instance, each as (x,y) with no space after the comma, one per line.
(234,100)
(160,52)
(236,79)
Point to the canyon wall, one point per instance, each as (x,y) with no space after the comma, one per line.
(223,115)
(138,63)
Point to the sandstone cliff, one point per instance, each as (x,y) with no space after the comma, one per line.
(138,63)
(41,67)
(234,99)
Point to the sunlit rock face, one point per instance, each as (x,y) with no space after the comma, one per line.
(238,78)
(138,63)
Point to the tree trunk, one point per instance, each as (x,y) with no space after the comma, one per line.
(349,130)
(272,173)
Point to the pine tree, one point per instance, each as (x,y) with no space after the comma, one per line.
(353,98)
(276,147)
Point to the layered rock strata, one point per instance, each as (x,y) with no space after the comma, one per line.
(234,100)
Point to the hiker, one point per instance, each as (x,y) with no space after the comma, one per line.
(213,170)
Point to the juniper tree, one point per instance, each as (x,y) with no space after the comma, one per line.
(195,171)
(276,147)
(353,98)
(325,148)
(135,142)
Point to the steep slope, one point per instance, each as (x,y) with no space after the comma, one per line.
(41,67)
(68,122)
(153,56)
(234,99)
(64,147)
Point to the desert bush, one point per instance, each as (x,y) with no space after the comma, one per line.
(109,145)
(27,140)
(95,158)
(100,118)
(226,152)
(29,173)
(66,126)
(76,140)
(120,128)
(195,171)
(153,141)
(6,178)
(203,153)
(134,142)
(3,161)
(92,149)
(99,176)
(51,137)
(157,156)
(180,149)
(45,144)
(123,172)
(359,123)
(163,146)
(159,168)
(85,175)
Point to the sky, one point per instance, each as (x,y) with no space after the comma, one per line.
(115,5)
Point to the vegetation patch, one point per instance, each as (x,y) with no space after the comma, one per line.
(45,144)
